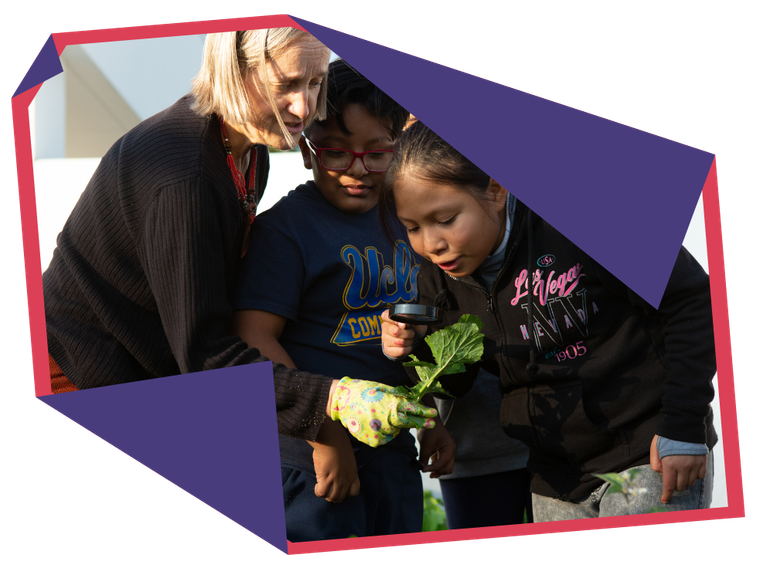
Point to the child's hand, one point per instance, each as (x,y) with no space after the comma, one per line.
(438,446)
(679,472)
(335,464)
(397,337)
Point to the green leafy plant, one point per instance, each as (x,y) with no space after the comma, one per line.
(624,484)
(453,347)
(433,514)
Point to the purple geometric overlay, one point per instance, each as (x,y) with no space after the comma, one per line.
(213,434)
(624,196)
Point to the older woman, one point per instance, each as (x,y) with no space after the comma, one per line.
(138,285)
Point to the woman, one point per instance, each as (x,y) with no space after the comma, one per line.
(138,285)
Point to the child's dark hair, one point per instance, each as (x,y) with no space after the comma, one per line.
(346,86)
(422,154)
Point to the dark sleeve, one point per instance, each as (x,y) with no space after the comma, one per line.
(300,401)
(688,346)
(688,329)
(184,244)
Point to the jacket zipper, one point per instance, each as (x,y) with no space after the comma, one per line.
(490,303)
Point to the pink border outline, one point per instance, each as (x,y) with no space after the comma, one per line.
(24,164)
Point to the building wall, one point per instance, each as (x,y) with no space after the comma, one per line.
(108,88)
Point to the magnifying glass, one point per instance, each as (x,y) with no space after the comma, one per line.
(416,314)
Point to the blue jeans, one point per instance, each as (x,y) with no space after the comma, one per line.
(601,504)
(390,501)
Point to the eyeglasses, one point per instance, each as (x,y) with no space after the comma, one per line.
(333,159)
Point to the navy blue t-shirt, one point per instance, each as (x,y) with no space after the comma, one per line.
(331,275)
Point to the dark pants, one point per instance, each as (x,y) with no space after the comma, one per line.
(390,501)
(493,499)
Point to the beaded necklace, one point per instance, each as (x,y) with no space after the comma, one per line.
(247,198)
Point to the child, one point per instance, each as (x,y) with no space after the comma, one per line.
(310,292)
(489,483)
(593,378)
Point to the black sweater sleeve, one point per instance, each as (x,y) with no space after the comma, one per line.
(688,348)
(182,249)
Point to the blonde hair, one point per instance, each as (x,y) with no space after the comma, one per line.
(229,59)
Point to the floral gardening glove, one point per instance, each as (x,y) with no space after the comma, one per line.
(374,414)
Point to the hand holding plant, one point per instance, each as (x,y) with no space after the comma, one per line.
(375,413)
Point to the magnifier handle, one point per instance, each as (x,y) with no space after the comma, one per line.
(419,329)
(415,314)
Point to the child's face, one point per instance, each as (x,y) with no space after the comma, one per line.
(355,190)
(452,228)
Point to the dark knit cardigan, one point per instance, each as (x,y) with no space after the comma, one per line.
(139,282)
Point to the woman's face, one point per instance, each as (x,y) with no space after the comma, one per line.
(450,227)
(294,78)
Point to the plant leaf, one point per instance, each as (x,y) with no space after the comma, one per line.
(417,363)
(402,391)
(612,478)
(617,482)
(453,347)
